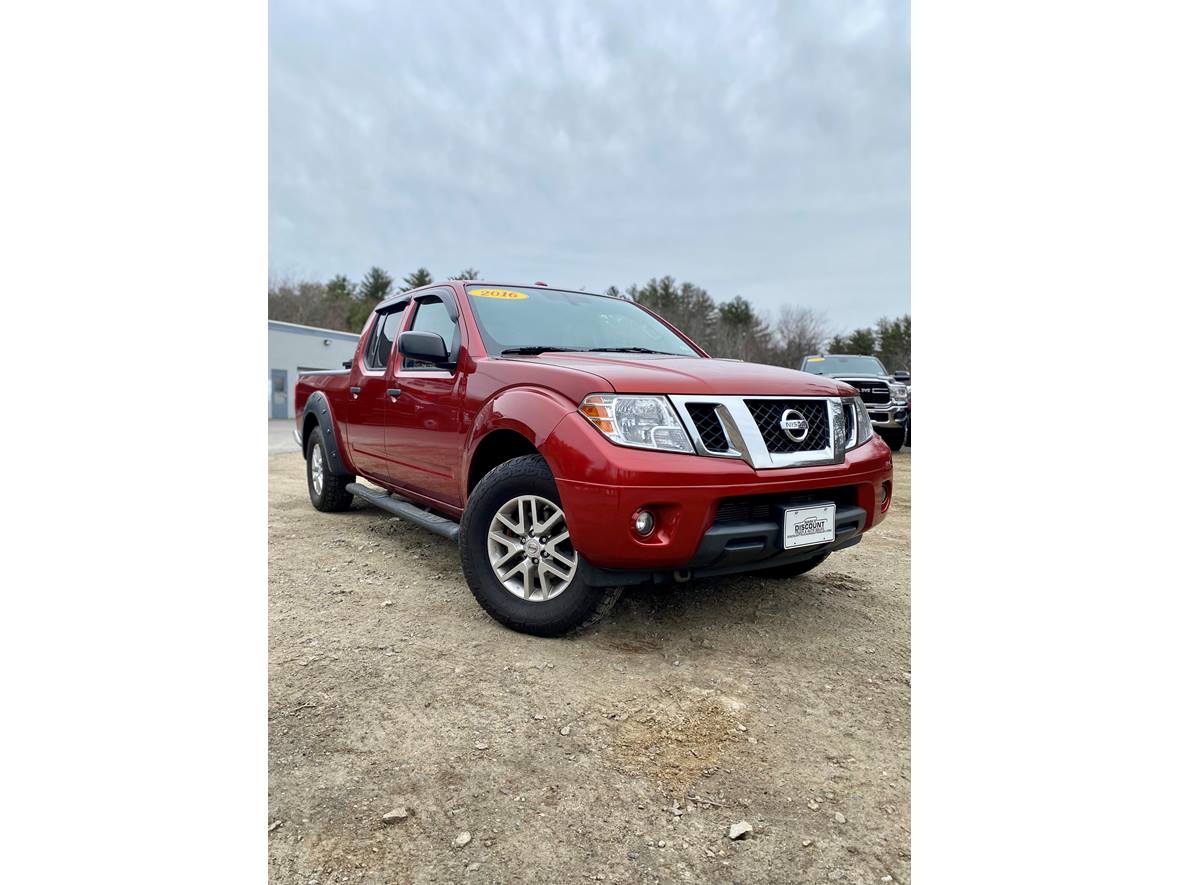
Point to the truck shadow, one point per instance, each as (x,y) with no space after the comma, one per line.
(647,617)
(740,599)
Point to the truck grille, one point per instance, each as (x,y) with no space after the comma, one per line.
(704,416)
(768,412)
(871,392)
(732,426)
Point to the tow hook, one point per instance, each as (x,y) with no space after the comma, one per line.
(681,575)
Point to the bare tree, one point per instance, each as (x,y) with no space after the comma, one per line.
(305,302)
(801,331)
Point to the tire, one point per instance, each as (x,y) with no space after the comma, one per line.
(332,496)
(794,570)
(894,437)
(543,609)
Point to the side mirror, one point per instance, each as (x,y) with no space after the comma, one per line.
(426,347)
(903,377)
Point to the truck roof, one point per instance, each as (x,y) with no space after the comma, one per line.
(397,296)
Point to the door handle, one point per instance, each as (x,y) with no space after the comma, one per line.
(356,391)
(394,392)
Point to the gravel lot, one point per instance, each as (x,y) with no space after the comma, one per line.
(785,704)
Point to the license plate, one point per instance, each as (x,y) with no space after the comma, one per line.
(809,525)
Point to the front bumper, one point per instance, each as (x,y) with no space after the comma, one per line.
(890,417)
(686,494)
(737,547)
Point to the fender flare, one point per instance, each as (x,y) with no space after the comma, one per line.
(317,405)
(532,412)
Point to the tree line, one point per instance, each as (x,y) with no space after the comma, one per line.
(732,328)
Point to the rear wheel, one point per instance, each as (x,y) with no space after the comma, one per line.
(894,437)
(326,489)
(517,555)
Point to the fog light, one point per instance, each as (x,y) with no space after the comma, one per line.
(886,494)
(644,523)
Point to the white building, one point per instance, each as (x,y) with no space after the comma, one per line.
(292,349)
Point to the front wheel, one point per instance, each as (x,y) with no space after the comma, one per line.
(894,437)
(517,555)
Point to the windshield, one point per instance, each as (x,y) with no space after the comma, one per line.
(515,318)
(843,365)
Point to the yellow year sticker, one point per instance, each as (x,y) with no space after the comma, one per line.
(506,294)
(815,359)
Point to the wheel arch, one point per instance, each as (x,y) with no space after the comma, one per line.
(516,422)
(318,413)
(494,448)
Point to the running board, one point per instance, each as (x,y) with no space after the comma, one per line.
(401,507)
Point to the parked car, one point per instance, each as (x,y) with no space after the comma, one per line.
(574,444)
(886,395)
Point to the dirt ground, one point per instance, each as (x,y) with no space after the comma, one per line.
(785,704)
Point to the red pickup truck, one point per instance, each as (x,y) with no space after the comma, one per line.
(574,444)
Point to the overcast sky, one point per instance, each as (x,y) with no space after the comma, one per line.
(754,148)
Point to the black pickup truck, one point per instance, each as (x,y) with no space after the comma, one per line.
(886,396)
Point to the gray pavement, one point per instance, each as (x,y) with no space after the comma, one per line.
(281,440)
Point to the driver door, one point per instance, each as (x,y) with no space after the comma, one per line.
(426,427)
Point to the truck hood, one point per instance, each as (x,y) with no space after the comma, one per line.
(859,376)
(644,373)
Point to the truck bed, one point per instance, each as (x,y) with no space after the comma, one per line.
(333,382)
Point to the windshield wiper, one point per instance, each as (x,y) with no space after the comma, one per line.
(534,349)
(634,350)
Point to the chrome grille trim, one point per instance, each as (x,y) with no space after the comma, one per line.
(746,441)
(873,392)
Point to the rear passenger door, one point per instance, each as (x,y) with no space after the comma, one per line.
(368,406)
(426,426)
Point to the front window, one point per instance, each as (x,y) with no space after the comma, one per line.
(528,319)
(843,365)
(432,315)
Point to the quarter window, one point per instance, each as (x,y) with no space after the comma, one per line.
(381,338)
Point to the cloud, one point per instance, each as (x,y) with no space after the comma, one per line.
(754,148)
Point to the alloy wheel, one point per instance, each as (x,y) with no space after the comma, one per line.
(317,469)
(529,548)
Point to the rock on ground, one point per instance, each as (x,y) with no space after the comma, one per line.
(393,724)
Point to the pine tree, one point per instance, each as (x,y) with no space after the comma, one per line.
(341,288)
(743,333)
(688,307)
(420,277)
(861,341)
(467,273)
(893,342)
(376,285)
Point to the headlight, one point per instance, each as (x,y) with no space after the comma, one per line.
(644,422)
(864,424)
(900,393)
